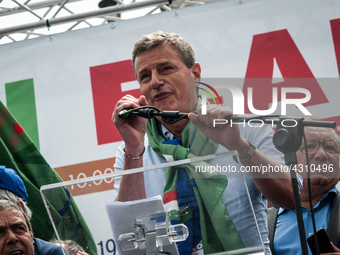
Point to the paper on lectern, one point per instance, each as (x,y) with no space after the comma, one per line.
(122,217)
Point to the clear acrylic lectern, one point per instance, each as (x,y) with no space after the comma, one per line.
(142,227)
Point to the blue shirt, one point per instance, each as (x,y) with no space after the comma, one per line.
(42,247)
(235,195)
(286,237)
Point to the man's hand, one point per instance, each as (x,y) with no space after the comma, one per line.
(226,135)
(131,129)
(336,251)
(81,253)
(274,186)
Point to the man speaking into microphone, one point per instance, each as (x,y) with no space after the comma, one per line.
(165,67)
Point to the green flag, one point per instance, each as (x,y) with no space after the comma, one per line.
(18,152)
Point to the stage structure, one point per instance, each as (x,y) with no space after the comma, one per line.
(67,12)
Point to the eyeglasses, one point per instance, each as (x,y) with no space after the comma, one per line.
(331,148)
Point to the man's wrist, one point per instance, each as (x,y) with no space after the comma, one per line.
(241,146)
(132,156)
(245,157)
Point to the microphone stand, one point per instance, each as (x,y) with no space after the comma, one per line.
(288,141)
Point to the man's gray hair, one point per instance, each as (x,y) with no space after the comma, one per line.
(10,205)
(149,41)
(73,247)
(9,195)
(314,118)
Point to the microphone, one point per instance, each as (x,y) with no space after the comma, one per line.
(168,117)
(141,112)
(126,113)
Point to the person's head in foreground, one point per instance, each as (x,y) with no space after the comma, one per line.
(16,236)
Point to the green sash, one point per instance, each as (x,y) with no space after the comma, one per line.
(217,229)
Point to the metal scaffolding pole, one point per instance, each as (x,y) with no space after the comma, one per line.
(33,6)
(82,16)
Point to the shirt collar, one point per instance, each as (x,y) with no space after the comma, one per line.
(334,193)
(166,133)
(331,193)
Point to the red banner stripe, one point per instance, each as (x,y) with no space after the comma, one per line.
(170,196)
(17,128)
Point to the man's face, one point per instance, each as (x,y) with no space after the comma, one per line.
(15,237)
(324,167)
(165,80)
